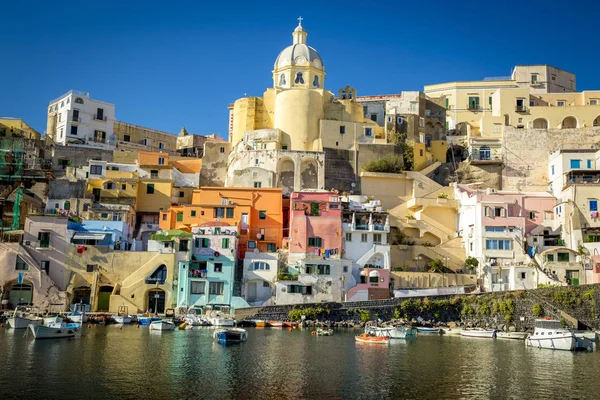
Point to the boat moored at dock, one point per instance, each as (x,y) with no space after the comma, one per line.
(55,330)
(162,325)
(21,319)
(550,334)
(230,335)
(368,338)
(479,333)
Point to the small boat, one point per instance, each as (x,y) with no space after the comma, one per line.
(51,319)
(259,323)
(322,332)
(162,325)
(478,333)
(78,317)
(194,320)
(21,320)
(550,334)
(219,317)
(289,324)
(122,319)
(146,320)
(54,330)
(512,335)
(451,331)
(426,330)
(275,324)
(392,332)
(231,335)
(367,338)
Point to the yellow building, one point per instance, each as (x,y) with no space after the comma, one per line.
(133,137)
(10,127)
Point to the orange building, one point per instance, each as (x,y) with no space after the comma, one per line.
(256,212)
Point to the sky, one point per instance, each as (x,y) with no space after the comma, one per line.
(168,64)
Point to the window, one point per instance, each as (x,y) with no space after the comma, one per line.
(588,164)
(251,244)
(44,238)
(348,236)
(374,117)
(576,164)
(547,215)
(493,244)
(421,152)
(202,243)
(427,140)
(377,238)
(225,243)
(531,103)
(299,289)
(218,267)
(86,207)
(345,269)
(104,215)
(497,128)
(593,102)
(593,205)
(494,229)
(531,215)
(271,247)
(323,269)
(164,217)
(373,279)
(256,161)
(552,170)
(95,169)
(473,102)
(447,103)
(299,78)
(257,185)
(282,80)
(161,145)
(368,131)
(229,213)
(222,150)
(342,129)
(561,103)
(520,120)
(161,161)
(46,266)
(89,268)
(399,120)
(363,237)
(283,147)
(550,257)
(260,266)
(150,188)
(262,214)
(73,130)
(534,78)
(179,217)
(126,138)
(218,212)
(21,265)
(216,288)
(110,186)
(413,106)
(315,242)
(197,287)
(522,275)
(490,101)
(116,216)
(316,81)
(99,114)
(563,257)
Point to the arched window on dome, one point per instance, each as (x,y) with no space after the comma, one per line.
(316,81)
(282,81)
(299,78)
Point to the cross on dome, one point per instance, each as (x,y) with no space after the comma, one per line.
(300,19)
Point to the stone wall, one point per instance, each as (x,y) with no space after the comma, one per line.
(575,306)
(78,156)
(340,170)
(526,154)
(490,174)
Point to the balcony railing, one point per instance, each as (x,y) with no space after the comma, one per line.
(99,117)
(73,119)
(97,139)
(473,107)
(521,109)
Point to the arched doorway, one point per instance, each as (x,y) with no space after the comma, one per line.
(156,301)
(286,176)
(158,276)
(20,294)
(540,123)
(596,122)
(104,298)
(309,175)
(82,295)
(569,123)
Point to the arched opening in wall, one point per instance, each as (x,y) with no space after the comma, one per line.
(286,175)
(429,239)
(456,154)
(569,123)
(20,294)
(596,121)
(158,276)
(485,153)
(104,298)
(540,123)
(309,174)
(410,235)
(81,295)
(156,301)
(258,291)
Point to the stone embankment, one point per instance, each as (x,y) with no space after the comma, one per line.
(576,306)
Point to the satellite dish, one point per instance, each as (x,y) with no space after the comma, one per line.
(255,250)
(258,236)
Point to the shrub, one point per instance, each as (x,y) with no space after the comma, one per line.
(467,310)
(311,313)
(391,164)
(537,310)
(364,315)
(471,263)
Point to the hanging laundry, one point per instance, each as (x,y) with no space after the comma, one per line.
(80,249)
(327,252)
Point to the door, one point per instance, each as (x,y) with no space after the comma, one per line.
(156,301)
(96,194)
(20,294)
(244,226)
(573,277)
(252,289)
(104,298)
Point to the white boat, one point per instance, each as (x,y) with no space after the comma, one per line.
(51,320)
(122,319)
(54,330)
(451,331)
(550,334)
(21,320)
(194,320)
(512,335)
(230,335)
(392,332)
(162,325)
(220,317)
(479,333)
(422,329)
(77,317)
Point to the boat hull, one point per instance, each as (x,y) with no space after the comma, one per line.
(49,332)
(260,323)
(78,318)
(563,342)
(275,324)
(290,324)
(222,321)
(478,334)
(372,339)
(512,335)
(234,335)
(122,319)
(162,326)
(429,331)
(392,332)
(21,323)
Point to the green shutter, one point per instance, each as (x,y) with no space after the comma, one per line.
(193,213)
(225,243)
(197,242)
(229,212)
(179,217)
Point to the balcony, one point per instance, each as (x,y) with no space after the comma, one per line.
(474,107)
(485,157)
(521,109)
(74,119)
(97,139)
(100,117)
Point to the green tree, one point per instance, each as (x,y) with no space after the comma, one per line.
(436,265)
(391,163)
(471,263)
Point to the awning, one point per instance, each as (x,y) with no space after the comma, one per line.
(89,236)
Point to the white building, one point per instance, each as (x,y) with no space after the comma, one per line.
(562,162)
(260,273)
(74,119)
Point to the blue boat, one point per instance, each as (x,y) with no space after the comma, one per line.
(147,320)
(230,335)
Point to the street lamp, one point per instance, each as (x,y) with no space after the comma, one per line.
(417,259)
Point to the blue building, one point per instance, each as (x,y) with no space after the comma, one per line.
(113,234)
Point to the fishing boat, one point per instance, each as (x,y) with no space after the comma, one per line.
(322,332)
(451,331)
(122,319)
(392,332)
(51,319)
(21,319)
(54,330)
(512,335)
(426,330)
(162,325)
(146,319)
(367,338)
(219,316)
(550,334)
(259,323)
(230,335)
(192,319)
(479,333)
(78,317)
(275,324)
(289,324)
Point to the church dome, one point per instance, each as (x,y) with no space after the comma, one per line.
(299,54)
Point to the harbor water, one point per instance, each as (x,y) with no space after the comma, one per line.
(134,363)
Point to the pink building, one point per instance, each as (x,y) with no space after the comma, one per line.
(315,224)
(374,284)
